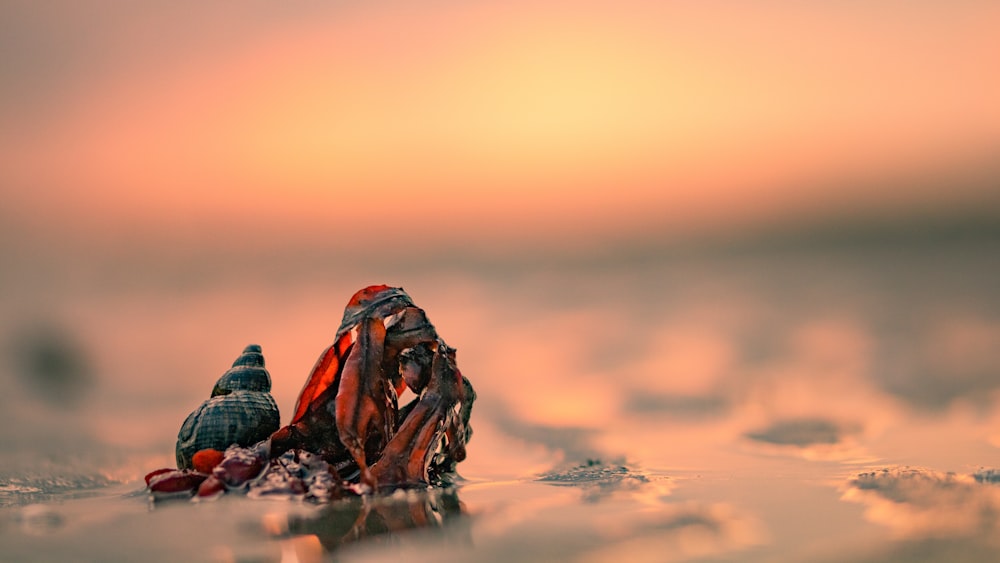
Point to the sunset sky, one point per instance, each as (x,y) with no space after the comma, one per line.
(489,119)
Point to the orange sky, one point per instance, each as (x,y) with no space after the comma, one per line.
(487,118)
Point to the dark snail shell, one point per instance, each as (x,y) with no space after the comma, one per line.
(241,411)
(247,374)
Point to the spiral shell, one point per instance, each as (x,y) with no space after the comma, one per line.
(247,374)
(241,410)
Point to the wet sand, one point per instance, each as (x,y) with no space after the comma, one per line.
(763,404)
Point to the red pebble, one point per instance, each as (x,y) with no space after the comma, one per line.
(151,474)
(205,460)
(239,466)
(211,487)
(176,481)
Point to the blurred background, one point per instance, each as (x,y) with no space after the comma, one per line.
(175,128)
(672,233)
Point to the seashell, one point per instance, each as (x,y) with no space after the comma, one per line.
(241,411)
(247,374)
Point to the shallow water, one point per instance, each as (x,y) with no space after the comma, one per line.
(757,403)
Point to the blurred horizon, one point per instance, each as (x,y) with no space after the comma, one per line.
(495,129)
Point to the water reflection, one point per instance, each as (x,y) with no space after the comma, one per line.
(680,406)
(593,511)
(680,532)
(810,438)
(932,550)
(799,433)
(943,357)
(636,523)
(937,516)
(921,503)
(628,514)
(575,443)
(374,520)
